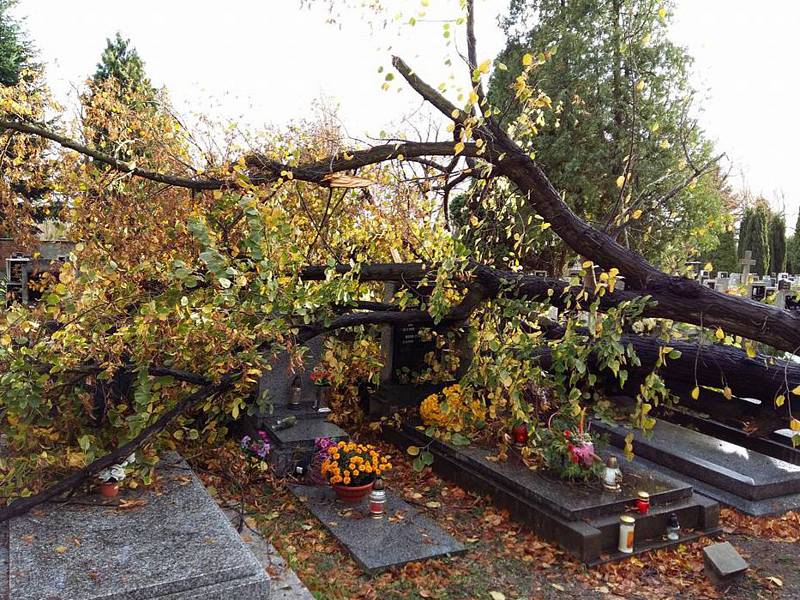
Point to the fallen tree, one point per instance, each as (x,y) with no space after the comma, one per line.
(245,284)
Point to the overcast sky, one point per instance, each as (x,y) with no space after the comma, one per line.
(266,63)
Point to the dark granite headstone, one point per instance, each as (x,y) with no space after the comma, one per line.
(402,536)
(410,346)
(758,291)
(275,384)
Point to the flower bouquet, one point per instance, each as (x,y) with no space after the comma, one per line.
(257,447)
(110,477)
(352,468)
(321,378)
(568,451)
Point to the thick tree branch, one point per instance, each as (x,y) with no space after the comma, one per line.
(23,505)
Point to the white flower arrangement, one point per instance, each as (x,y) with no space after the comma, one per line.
(116,473)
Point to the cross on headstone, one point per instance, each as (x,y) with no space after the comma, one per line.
(746,263)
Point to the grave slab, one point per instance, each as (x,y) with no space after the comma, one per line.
(777,444)
(177,545)
(378,544)
(581,501)
(724,465)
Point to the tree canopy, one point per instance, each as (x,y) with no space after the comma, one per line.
(196,266)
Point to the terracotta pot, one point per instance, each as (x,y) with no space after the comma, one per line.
(109,489)
(352,494)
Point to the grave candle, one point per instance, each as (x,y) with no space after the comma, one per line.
(673,528)
(520,434)
(377,500)
(643,502)
(612,476)
(626,527)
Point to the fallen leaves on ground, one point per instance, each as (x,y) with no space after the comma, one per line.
(503,560)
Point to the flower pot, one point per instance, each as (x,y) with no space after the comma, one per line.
(352,494)
(109,489)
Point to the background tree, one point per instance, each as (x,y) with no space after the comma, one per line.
(619,145)
(777,243)
(119,80)
(754,235)
(793,249)
(723,257)
(16,51)
(26,195)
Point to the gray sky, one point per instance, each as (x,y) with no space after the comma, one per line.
(266,62)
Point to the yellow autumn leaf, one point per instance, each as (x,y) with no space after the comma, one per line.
(473,97)
(527,60)
(695,393)
(497,595)
(796,390)
(412,450)
(751,352)
(636,214)
(780,400)
(639,85)
(620,181)
(544,226)
(727,392)
(719,334)
(484,66)
(708,266)
(502,66)
(662,12)
(473,220)
(794,425)
(459,147)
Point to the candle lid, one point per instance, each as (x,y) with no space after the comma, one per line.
(627,519)
(644,495)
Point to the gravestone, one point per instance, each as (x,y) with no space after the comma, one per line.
(177,544)
(735,279)
(581,518)
(722,274)
(722,284)
(757,291)
(275,384)
(710,283)
(746,263)
(750,481)
(405,353)
(784,289)
(294,445)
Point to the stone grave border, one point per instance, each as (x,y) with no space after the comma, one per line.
(592,541)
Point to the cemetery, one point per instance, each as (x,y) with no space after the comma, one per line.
(532,342)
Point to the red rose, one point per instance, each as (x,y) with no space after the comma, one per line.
(567,433)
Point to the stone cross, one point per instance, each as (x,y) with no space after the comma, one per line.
(746,263)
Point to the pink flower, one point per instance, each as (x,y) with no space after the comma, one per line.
(584,453)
